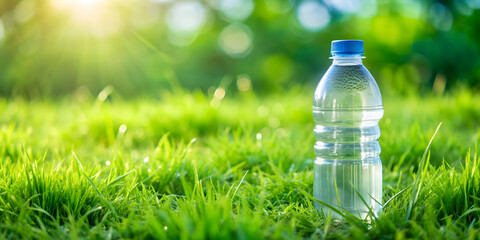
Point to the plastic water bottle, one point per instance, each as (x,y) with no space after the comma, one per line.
(347,106)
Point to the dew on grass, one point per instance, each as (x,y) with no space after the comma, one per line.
(259,139)
(108,163)
(122,128)
(146,159)
(219,93)
(103,95)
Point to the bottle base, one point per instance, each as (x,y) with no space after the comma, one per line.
(349,186)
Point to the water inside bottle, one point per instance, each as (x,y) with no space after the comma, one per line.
(348,169)
(346,183)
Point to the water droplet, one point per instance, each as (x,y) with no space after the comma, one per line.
(103,95)
(122,128)
(219,93)
(349,78)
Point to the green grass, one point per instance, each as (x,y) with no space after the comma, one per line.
(192,166)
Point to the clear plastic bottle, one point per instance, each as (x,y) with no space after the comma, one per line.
(347,107)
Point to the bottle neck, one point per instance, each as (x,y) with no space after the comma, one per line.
(347,60)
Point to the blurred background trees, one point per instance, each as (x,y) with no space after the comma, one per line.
(50,48)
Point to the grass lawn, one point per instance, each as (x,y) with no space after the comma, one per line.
(193,166)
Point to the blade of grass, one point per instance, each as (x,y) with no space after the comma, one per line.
(39,209)
(102,198)
(336,193)
(241,181)
(349,217)
(370,210)
(396,195)
(416,183)
(468,212)
(379,203)
(118,179)
(152,47)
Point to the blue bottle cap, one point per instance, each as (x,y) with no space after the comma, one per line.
(347,47)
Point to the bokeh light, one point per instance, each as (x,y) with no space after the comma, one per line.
(184,21)
(475,4)
(2,31)
(236,40)
(364,8)
(368,9)
(441,17)
(462,7)
(235,10)
(181,39)
(244,83)
(312,16)
(186,16)
(24,11)
(345,6)
(162,1)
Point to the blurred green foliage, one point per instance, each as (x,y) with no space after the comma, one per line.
(49,48)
